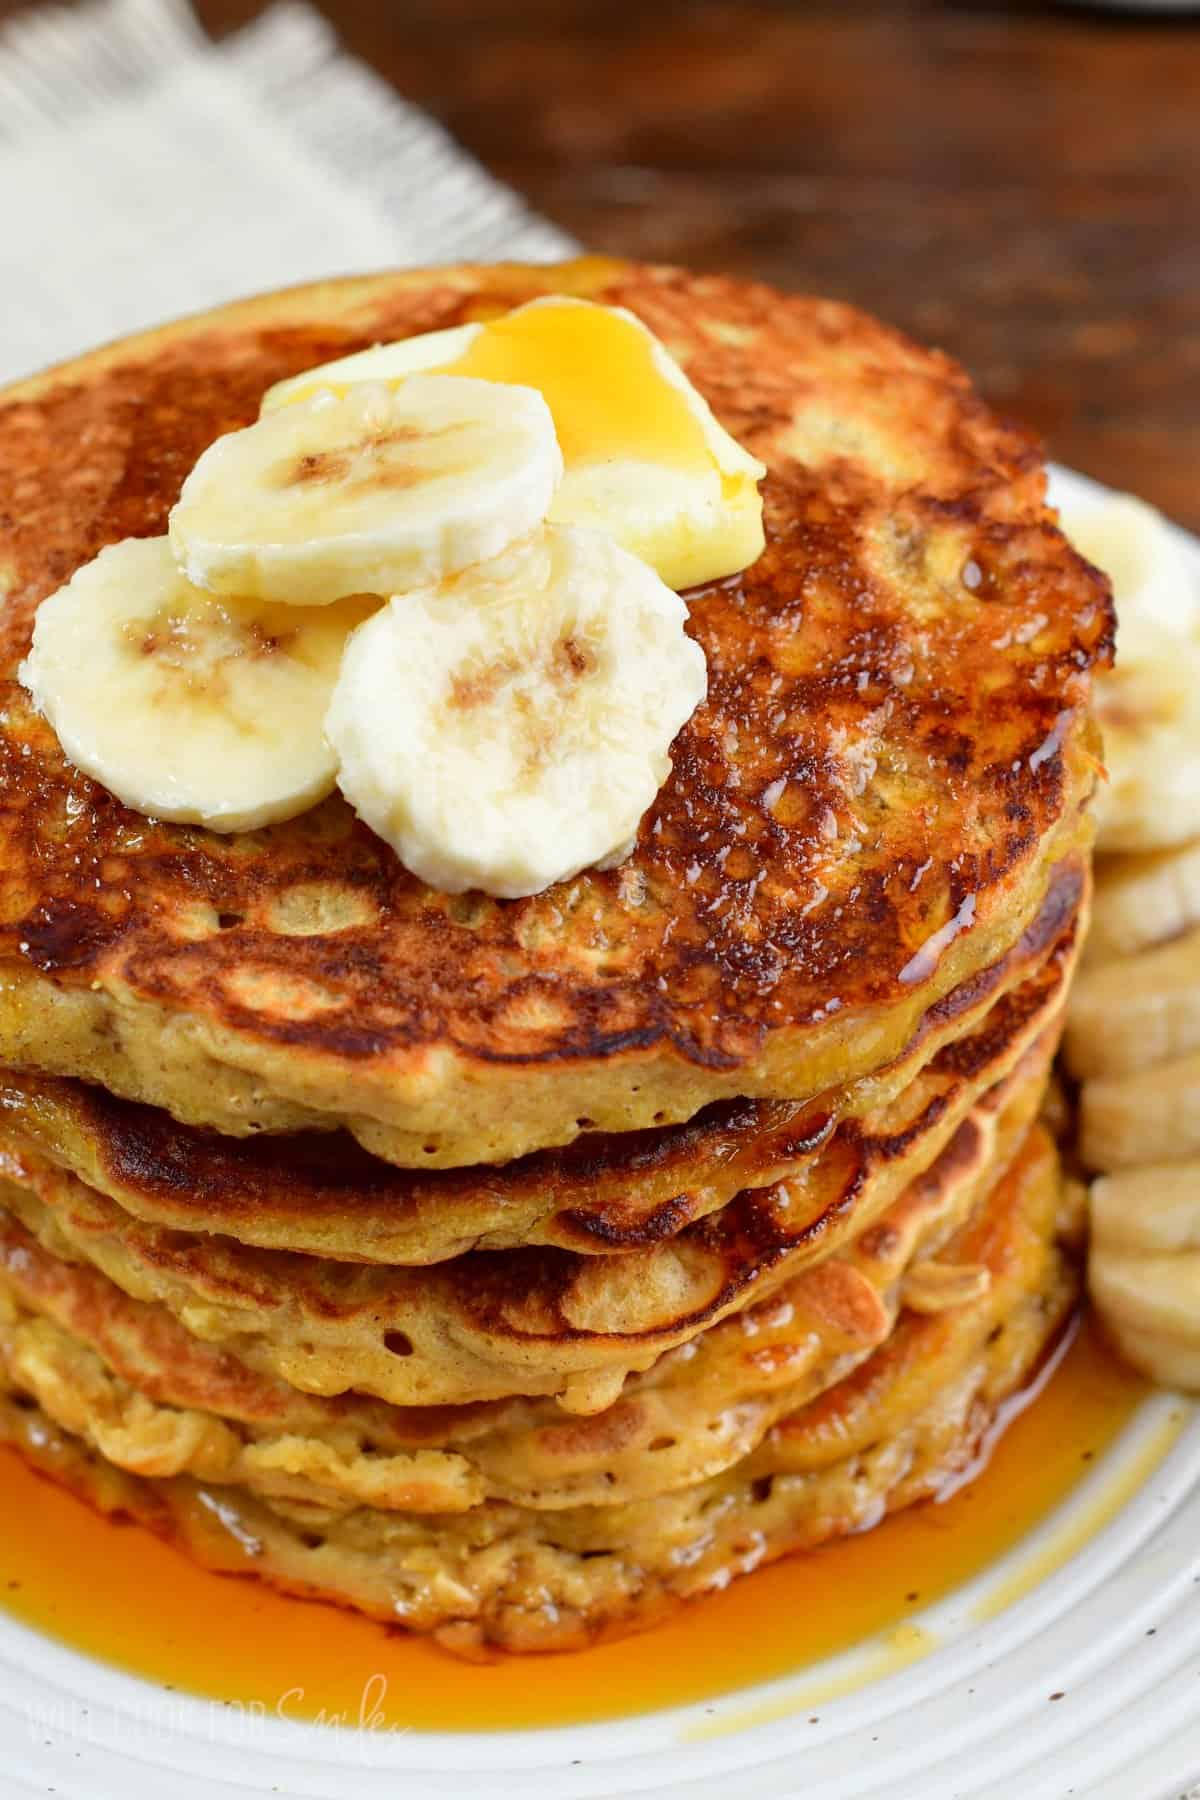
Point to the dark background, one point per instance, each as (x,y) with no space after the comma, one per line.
(1020,184)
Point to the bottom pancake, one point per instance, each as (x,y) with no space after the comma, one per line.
(907,1419)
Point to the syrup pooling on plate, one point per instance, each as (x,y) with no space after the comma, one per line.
(119,1594)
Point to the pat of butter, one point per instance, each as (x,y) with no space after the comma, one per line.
(645,458)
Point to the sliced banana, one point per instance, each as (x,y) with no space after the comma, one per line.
(1168,1361)
(1141,900)
(645,457)
(1133,1035)
(509,728)
(1144,1268)
(1151,1304)
(428,351)
(369,492)
(188,708)
(1153,579)
(1149,712)
(1149,705)
(1136,1011)
(1154,1210)
(1150,1116)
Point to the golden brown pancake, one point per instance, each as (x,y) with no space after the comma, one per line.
(894,1431)
(893,752)
(156,1401)
(513,1270)
(534,1322)
(605,1194)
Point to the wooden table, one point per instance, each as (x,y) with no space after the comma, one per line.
(1020,184)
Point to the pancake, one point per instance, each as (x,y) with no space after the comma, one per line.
(536,1322)
(156,1401)
(527,1580)
(322,1194)
(894,750)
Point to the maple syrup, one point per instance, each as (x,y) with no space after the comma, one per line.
(598,373)
(117,1593)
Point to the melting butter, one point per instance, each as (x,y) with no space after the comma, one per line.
(596,369)
(645,458)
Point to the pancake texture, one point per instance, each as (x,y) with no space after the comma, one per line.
(894,750)
(908,1420)
(321,1193)
(534,1321)
(157,1401)
(512,1271)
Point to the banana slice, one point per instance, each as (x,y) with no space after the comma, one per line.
(1154,1210)
(420,355)
(1142,900)
(1144,1268)
(188,708)
(1149,711)
(370,492)
(1133,1034)
(1137,1011)
(1153,579)
(1149,706)
(510,727)
(1150,1116)
(645,457)
(1169,1362)
(1151,1305)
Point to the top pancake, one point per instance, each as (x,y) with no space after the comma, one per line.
(894,747)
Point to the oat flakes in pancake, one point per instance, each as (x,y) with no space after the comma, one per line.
(322,1194)
(534,1322)
(528,1581)
(894,750)
(156,1401)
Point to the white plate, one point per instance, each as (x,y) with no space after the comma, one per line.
(1114,1632)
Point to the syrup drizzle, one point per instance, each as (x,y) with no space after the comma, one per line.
(921,965)
(119,1594)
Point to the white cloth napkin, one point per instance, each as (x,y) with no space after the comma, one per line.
(146,172)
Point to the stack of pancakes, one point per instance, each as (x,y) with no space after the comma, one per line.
(511,1269)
